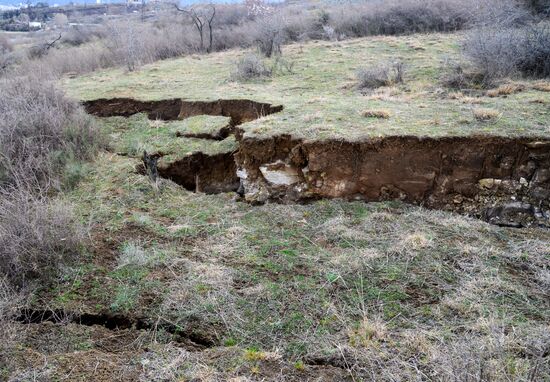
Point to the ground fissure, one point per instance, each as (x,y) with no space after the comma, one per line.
(116,322)
(504,180)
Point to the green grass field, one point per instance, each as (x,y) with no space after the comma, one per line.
(320,97)
(326,291)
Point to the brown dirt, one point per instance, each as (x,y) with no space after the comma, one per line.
(199,172)
(240,111)
(466,174)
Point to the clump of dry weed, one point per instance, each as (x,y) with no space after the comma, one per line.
(381,114)
(485,115)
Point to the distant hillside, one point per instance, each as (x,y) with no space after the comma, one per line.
(10,4)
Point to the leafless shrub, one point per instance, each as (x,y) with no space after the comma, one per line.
(504,14)
(401,17)
(460,76)
(386,74)
(127,44)
(37,236)
(504,52)
(133,45)
(79,35)
(5,45)
(40,131)
(493,52)
(270,35)
(74,60)
(535,58)
(250,67)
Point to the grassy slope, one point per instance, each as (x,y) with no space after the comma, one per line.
(397,292)
(320,99)
(397,288)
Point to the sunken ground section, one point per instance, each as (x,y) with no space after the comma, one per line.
(504,180)
(429,148)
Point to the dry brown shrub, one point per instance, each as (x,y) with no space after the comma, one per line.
(502,51)
(504,90)
(37,236)
(482,114)
(40,132)
(381,114)
(542,86)
(385,74)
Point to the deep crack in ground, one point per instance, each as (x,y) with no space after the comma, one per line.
(505,181)
(190,340)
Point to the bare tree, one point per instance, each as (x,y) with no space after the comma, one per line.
(270,35)
(127,44)
(201,16)
(42,49)
(210,21)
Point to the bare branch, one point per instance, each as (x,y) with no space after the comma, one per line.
(49,45)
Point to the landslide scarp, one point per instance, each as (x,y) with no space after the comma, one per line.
(504,180)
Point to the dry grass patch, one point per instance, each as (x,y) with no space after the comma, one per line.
(387,94)
(368,332)
(484,115)
(381,114)
(461,97)
(542,86)
(471,100)
(504,90)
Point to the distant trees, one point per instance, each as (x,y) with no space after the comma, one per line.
(257,7)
